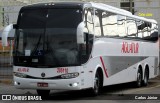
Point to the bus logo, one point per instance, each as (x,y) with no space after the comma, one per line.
(43,74)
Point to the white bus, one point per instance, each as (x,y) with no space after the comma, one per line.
(79,45)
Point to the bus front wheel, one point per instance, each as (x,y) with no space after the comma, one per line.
(96,88)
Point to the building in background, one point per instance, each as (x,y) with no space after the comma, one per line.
(146,8)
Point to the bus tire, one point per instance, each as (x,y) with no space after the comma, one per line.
(146,77)
(96,88)
(139,78)
(43,93)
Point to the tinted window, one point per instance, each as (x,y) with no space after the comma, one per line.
(64,18)
(33,18)
(51,18)
(48,38)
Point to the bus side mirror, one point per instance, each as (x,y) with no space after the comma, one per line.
(80,33)
(15,26)
(5,33)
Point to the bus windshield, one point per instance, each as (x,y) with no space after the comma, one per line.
(47,37)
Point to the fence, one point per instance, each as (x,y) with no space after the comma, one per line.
(6,60)
(5,65)
(8,14)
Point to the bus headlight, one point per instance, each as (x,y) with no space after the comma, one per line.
(21,75)
(69,75)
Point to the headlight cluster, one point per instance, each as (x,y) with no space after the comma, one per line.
(21,75)
(69,75)
(63,76)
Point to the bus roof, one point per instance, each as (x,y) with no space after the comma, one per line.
(101,6)
(119,11)
(54,5)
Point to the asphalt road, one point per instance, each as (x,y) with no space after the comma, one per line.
(122,93)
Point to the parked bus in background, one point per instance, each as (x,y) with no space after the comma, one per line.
(79,45)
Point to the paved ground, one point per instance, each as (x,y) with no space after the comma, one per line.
(123,93)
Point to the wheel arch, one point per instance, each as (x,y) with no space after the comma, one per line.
(100,70)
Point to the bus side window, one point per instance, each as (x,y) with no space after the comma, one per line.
(140,28)
(89,25)
(146,28)
(109,22)
(88,35)
(121,25)
(154,32)
(147,31)
(98,32)
(88,19)
(131,27)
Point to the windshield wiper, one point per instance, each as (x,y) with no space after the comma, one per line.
(36,47)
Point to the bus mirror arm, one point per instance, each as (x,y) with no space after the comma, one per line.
(5,34)
(86,35)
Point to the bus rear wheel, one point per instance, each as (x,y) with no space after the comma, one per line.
(43,93)
(146,77)
(139,79)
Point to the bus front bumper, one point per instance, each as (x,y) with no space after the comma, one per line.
(59,84)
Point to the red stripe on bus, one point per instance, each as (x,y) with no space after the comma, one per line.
(104,68)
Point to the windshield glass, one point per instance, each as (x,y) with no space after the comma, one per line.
(47,37)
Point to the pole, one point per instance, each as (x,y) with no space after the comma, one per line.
(11,49)
(3,48)
(131,6)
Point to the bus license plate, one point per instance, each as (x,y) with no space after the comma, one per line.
(42,84)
